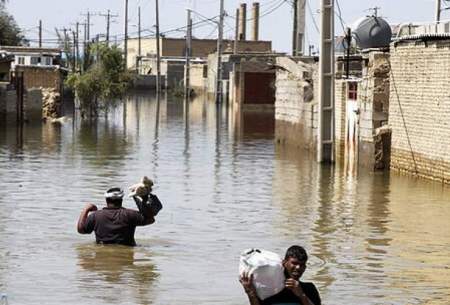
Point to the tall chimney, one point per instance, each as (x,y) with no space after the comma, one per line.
(255,18)
(242,21)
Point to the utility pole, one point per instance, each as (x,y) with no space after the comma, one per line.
(139,32)
(300,27)
(126,36)
(188,55)
(219,57)
(325,152)
(40,33)
(74,52)
(85,51)
(438,11)
(108,16)
(138,58)
(295,30)
(158,55)
(77,46)
(108,20)
(88,25)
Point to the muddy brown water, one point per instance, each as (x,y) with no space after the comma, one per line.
(225,185)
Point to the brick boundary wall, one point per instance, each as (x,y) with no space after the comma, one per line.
(340,104)
(296,116)
(421,126)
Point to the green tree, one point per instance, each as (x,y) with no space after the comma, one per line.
(104,81)
(9,30)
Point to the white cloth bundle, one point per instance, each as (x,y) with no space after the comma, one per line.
(267,270)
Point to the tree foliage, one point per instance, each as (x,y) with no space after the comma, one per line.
(9,30)
(104,81)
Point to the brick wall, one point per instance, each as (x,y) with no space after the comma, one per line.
(296,118)
(419,110)
(340,92)
(46,77)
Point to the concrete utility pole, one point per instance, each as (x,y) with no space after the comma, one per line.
(139,32)
(187,87)
(295,29)
(40,33)
(88,25)
(138,57)
(255,29)
(438,11)
(158,55)
(74,52)
(236,33)
(219,56)
(108,20)
(326,83)
(108,16)
(300,27)
(125,47)
(242,21)
(77,45)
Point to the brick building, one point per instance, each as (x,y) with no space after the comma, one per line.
(419,111)
(175,47)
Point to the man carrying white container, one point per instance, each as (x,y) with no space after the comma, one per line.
(291,292)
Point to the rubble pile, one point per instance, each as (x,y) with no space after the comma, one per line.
(51,103)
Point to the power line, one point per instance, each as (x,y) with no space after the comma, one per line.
(312,16)
(339,15)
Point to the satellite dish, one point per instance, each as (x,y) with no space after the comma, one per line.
(372,32)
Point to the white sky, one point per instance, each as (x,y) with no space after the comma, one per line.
(275,26)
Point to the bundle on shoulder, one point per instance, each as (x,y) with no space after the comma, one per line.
(141,189)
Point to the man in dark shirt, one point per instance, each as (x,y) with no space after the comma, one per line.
(295,291)
(114,224)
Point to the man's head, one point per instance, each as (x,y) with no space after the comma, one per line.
(294,262)
(114,197)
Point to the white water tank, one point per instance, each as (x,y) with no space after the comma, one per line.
(372,32)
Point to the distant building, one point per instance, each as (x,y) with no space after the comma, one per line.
(176,47)
(5,66)
(30,56)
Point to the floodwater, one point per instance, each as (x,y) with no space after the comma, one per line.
(225,185)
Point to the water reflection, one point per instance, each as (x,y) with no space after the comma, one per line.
(373,239)
(105,270)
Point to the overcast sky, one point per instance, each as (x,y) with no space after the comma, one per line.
(275,24)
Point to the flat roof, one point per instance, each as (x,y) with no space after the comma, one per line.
(29,49)
(199,39)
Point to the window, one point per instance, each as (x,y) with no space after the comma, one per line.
(35,60)
(352,93)
(21,60)
(205,71)
(47,61)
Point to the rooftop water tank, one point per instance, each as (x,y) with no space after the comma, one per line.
(372,32)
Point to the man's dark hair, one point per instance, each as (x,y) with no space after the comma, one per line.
(114,202)
(297,252)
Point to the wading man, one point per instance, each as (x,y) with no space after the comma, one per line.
(114,224)
(295,292)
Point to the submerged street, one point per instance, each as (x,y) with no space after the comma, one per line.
(226,186)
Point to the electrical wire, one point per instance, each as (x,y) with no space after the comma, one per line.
(339,15)
(312,16)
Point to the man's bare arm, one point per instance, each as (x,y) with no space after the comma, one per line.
(83,216)
(296,288)
(247,283)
